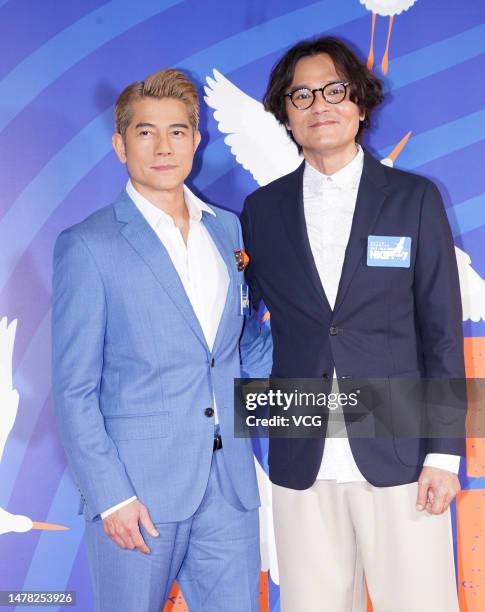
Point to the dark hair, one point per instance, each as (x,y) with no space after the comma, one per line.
(365,88)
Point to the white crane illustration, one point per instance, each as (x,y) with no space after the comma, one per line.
(385,8)
(9,403)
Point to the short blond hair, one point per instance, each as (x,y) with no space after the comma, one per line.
(167,83)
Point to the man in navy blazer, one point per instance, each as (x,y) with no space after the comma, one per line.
(147,318)
(355,262)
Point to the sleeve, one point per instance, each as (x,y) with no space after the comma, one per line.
(256,344)
(78,330)
(439,321)
(109,511)
(254,289)
(450,463)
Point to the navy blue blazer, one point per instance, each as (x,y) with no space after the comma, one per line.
(388,322)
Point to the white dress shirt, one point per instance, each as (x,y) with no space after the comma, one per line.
(198,263)
(329,204)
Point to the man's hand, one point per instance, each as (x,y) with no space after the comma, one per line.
(436,490)
(123,526)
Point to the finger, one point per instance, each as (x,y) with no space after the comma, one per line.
(118,541)
(140,543)
(124,534)
(147,523)
(108,528)
(447,502)
(438,502)
(422,498)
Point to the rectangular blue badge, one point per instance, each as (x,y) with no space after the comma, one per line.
(244,307)
(389,251)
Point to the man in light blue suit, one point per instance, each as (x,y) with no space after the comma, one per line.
(147,318)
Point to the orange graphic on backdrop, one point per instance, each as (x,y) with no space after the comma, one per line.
(475,368)
(389,8)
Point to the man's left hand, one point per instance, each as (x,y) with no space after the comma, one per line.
(436,490)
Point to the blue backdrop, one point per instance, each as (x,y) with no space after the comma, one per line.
(62,65)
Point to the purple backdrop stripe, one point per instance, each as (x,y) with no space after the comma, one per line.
(217,161)
(61,545)
(3,2)
(272,35)
(56,56)
(33,381)
(467,216)
(52,185)
(443,139)
(434,58)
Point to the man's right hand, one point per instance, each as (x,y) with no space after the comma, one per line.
(122,526)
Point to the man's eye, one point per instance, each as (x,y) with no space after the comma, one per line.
(178,133)
(144,133)
(302,95)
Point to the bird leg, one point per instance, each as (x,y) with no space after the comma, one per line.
(370,57)
(385,59)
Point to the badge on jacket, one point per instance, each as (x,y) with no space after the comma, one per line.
(389,251)
(242,259)
(244,306)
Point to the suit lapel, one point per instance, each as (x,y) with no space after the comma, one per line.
(370,198)
(221,240)
(293,217)
(146,243)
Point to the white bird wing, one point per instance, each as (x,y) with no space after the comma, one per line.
(9,397)
(472,287)
(256,139)
(269,561)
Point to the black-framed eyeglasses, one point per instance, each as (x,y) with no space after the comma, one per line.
(333,93)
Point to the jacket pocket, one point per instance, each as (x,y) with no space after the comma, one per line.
(138,427)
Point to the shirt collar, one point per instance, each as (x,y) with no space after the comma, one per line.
(155,216)
(347,178)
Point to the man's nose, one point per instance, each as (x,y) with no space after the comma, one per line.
(163,146)
(319,104)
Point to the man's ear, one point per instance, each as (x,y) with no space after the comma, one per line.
(119,146)
(197,139)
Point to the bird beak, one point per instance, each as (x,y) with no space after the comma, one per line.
(399,147)
(48,526)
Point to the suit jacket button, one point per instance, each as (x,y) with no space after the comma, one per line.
(333,330)
(209,412)
(325,376)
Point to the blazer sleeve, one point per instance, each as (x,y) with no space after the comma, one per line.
(256,344)
(439,321)
(78,330)
(247,237)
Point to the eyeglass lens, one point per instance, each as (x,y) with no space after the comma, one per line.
(304,98)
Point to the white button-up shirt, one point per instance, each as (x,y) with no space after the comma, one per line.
(329,204)
(198,263)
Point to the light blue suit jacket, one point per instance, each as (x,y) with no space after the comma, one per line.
(132,372)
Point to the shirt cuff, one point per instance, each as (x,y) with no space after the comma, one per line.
(117,507)
(450,463)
